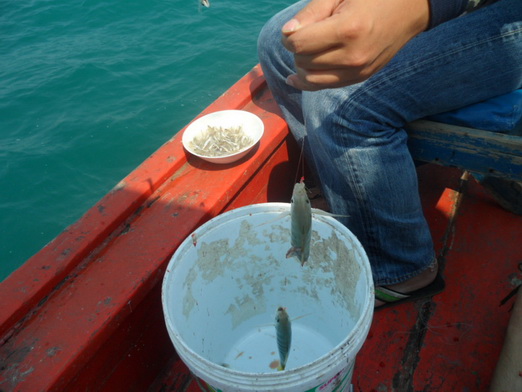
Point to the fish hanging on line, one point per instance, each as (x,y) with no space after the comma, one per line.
(283,328)
(301,222)
(205,3)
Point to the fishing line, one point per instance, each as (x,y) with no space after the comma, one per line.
(300,163)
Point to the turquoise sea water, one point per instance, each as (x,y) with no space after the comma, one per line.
(89,89)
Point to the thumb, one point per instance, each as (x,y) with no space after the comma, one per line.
(314,11)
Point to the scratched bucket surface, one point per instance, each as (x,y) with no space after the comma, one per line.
(225,282)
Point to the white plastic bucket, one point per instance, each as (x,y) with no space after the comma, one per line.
(225,282)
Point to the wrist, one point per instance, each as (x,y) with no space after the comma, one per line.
(422,13)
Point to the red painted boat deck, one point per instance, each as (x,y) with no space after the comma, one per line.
(450,342)
(84,314)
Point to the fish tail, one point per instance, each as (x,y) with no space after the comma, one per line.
(294,251)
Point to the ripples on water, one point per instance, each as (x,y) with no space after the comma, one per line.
(89,89)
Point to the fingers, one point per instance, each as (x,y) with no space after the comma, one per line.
(318,80)
(302,84)
(332,67)
(314,11)
(323,70)
(313,38)
(337,43)
(324,59)
(325,38)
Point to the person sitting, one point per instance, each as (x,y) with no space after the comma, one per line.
(349,75)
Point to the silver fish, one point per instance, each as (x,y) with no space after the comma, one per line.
(205,3)
(301,224)
(284,336)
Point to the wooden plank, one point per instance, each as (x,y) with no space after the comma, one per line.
(466,331)
(485,152)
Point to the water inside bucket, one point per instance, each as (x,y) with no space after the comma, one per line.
(257,352)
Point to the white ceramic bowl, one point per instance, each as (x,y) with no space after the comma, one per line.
(251,125)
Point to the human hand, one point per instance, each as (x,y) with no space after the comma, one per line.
(337,43)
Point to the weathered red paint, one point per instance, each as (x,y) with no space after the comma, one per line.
(468,325)
(452,342)
(85,312)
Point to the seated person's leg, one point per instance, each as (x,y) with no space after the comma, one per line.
(354,136)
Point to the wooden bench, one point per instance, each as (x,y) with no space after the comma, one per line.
(488,153)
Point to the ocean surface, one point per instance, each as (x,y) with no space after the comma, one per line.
(90,88)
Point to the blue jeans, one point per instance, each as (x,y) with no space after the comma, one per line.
(354,137)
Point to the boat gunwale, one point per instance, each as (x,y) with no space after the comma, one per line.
(30,284)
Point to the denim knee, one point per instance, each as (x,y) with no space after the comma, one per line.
(269,47)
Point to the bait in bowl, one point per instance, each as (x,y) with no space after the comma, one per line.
(224,136)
